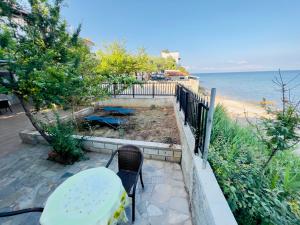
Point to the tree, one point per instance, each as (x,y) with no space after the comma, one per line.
(278,131)
(160,64)
(183,70)
(116,64)
(44,58)
(143,64)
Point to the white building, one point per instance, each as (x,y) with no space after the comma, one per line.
(174,55)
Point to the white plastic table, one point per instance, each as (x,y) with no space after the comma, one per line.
(91,197)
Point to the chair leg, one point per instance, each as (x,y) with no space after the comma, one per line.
(133,208)
(141,177)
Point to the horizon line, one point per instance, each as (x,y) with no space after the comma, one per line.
(252,71)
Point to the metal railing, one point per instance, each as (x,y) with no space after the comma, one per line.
(198,110)
(195,109)
(142,89)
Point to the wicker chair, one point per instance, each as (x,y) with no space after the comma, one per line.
(4,104)
(130,161)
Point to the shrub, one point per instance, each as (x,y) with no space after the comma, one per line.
(255,196)
(66,149)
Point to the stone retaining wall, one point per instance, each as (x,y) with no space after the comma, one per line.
(138,101)
(207,201)
(151,150)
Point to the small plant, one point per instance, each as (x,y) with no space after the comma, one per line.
(256,197)
(278,131)
(66,149)
(152,107)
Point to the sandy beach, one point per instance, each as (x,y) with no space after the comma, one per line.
(241,109)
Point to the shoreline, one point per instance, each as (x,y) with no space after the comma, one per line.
(239,110)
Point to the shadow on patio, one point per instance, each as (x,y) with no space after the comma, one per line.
(27,179)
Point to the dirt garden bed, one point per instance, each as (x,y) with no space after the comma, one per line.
(155,124)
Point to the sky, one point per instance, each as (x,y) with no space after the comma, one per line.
(211,35)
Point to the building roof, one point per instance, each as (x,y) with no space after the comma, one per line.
(174,73)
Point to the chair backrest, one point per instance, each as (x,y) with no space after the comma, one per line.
(4,103)
(130,158)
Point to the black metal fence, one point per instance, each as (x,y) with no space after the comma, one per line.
(153,89)
(195,109)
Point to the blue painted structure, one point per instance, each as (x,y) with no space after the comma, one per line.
(119,110)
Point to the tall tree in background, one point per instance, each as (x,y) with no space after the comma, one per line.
(116,64)
(160,64)
(44,59)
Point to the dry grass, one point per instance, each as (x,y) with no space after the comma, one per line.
(147,124)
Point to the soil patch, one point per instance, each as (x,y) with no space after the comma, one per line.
(147,124)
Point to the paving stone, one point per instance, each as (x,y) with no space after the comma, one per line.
(179,204)
(179,192)
(176,183)
(27,179)
(162,193)
(49,174)
(142,221)
(158,220)
(188,222)
(7,223)
(153,210)
(175,217)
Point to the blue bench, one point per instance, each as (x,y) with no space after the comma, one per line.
(119,110)
(106,120)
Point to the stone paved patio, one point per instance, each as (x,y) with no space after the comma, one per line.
(10,126)
(27,179)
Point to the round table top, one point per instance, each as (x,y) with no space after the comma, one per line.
(90,197)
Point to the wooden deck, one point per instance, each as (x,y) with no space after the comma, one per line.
(10,126)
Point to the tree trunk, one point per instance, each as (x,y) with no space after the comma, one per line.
(33,121)
(270,157)
(28,112)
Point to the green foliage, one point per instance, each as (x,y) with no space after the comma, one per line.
(160,64)
(183,70)
(48,65)
(118,65)
(6,41)
(255,196)
(115,62)
(280,128)
(44,56)
(66,149)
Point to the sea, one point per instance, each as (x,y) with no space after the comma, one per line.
(252,86)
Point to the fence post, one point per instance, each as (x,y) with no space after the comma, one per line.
(197,138)
(209,125)
(186,107)
(153,90)
(114,90)
(133,90)
(180,100)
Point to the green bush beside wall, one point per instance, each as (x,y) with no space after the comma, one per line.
(256,196)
